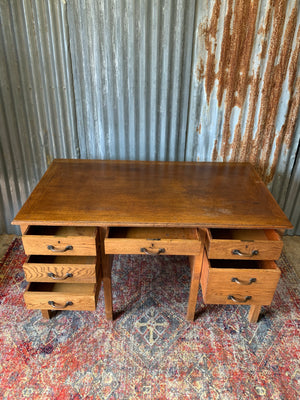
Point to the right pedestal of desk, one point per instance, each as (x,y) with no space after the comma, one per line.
(239,267)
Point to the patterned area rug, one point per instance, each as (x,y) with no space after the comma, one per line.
(150,351)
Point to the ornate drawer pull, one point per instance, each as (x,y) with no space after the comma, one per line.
(237,252)
(236,280)
(239,300)
(150,253)
(59,278)
(52,248)
(52,304)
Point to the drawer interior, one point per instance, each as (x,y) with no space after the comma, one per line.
(37,259)
(244,234)
(153,233)
(63,231)
(59,287)
(242,264)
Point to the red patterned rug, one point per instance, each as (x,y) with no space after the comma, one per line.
(150,351)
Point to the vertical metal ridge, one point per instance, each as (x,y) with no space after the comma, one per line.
(154,27)
(132,82)
(141,127)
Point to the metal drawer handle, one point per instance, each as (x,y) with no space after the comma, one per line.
(52,248)
(239,300)
(236,280)
(59,278)
(237,252)
(150,253)
(52,304)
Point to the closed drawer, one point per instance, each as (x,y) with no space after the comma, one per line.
(239,282)
(60,296)
(64,240)
(72,269)
(153,241)
(246,244)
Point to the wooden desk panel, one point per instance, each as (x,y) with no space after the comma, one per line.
(130,193)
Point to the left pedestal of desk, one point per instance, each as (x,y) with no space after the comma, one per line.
(63,268)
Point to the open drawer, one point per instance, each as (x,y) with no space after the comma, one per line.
(61,296)
(71,269)
(152,241)
(63,240)
(238,281)
(259,244)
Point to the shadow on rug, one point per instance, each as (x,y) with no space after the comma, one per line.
(150,351)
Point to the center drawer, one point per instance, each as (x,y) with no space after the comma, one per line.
(63,240)
(60,296)
(152,241)
(69,269)
(238,281)
(259,244)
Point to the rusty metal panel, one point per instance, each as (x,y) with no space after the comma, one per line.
(36,99)
(244,102)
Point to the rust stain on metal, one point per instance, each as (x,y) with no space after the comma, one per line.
(294,63)
(275,76)
(215,151)
(200,70)
(285,135)
(242,40)
(266,29)
(210,35)
(236,80)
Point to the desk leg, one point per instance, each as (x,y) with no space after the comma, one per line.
(254,313)
(196,265)
(106,270)
(46,314)
(106,264)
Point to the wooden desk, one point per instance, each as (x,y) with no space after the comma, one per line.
(82,211)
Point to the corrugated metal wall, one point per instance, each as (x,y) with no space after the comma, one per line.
(156,80)
(37,107)
(131,68)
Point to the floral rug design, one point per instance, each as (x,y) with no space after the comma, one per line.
(149,351)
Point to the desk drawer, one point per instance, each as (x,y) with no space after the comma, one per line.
(153,241)
(243,244)
(60,296)
(64,240)
(71,269)
(239,282)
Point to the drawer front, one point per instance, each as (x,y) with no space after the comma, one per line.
(69,241)
(59,268)
(153,241)
(244,244)
(239,285)
(60,296)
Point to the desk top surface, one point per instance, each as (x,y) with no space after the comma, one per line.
(136,193)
